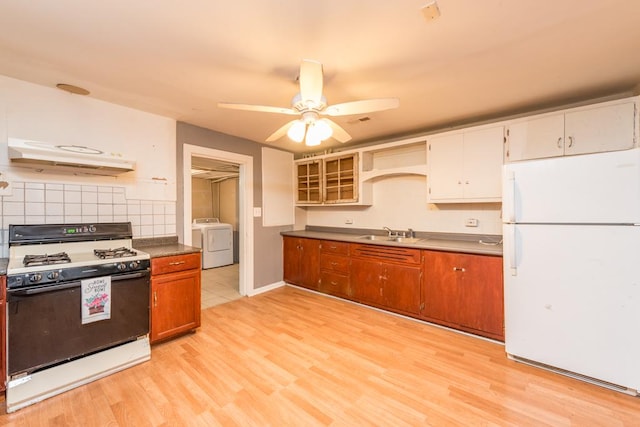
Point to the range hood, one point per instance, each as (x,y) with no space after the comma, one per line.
(72,158)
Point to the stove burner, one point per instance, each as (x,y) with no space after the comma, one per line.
(114,253)
(33,260)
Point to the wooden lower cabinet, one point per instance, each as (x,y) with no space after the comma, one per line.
(464,291)
(335,268)
(175,295)
(3,332)
(387,277)
(301,261)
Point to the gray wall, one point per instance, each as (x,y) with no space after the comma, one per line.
(267,241)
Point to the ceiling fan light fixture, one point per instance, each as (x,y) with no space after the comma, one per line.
(312,139)
(297,130)
(317,131)
(310,104)
(323,129)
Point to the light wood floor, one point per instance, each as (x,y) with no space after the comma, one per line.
(293,358)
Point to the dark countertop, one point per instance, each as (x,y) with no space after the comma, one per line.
(465,243)
(164,246)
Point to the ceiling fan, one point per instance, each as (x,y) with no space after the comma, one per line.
(311,104)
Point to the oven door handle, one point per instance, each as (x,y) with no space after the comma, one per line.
(43,289)
(128,276)
(75,284)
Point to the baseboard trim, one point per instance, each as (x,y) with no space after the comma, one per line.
(267,288)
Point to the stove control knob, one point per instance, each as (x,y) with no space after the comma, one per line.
(122,266)
(53,275)
(35,277)
(134,264)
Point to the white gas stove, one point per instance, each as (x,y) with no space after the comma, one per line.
(77,304)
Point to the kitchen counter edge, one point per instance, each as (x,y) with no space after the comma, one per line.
(170,249)
(436,244)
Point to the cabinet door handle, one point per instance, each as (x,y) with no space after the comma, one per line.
(155,298)
(333,263)
(559,142)
(570,141)
(334,283)
(177,263)
(459,269)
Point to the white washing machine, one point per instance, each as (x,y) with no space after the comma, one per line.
(216,240)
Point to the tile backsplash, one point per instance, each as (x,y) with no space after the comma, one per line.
(54,203)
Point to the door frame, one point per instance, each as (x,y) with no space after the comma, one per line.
(245,217)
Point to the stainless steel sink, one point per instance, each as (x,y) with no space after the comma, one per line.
(374,237)
(398,239)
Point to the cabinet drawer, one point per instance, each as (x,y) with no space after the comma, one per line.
(336,263)
(170,264)
(333,283)
(386,253)
(338,248)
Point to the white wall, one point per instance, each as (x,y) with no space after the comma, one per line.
(399,202)
(49,115)
(146,196)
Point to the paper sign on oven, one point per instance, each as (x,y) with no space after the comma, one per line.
(96,299)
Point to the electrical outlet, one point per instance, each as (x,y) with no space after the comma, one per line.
(471,222)
(348,221)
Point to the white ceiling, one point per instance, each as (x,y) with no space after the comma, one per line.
(480,59)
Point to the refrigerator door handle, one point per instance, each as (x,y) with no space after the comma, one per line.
(509,214)
(513,269)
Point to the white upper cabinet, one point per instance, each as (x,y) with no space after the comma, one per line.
(465,167)
(593,129)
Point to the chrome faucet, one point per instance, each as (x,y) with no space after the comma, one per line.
(392,233)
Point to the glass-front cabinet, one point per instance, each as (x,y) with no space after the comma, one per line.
(329,180)
(340,179)
(309,182)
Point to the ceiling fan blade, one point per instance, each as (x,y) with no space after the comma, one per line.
(339,134)
(311,81)
(282,131)
(361,107)
(260,108)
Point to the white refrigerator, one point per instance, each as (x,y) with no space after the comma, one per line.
(572,265)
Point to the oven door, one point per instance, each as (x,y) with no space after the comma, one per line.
(45,323)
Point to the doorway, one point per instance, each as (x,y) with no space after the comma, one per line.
(245,205)
(214,208)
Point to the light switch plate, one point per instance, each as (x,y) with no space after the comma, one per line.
(257,212)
